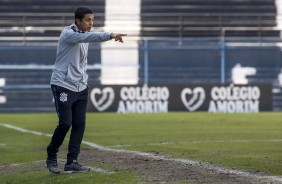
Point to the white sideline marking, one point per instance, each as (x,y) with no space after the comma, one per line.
(2,145)
(157,157)
(96,169)
(24,130)
(18,164)
(100,170)
(194,142)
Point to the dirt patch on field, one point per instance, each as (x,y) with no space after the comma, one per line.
(150,169)
(166,171)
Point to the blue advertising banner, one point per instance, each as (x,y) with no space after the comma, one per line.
(195,97)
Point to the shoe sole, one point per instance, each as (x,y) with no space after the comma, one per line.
(54,172)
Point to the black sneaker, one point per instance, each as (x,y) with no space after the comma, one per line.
(75,167)
(52,166)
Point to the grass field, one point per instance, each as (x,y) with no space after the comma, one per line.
(248,142)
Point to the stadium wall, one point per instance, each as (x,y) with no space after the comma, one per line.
(26,87)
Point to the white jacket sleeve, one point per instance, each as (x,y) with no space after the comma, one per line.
(73,37)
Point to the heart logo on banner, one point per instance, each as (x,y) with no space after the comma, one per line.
(105,101)
(197,98)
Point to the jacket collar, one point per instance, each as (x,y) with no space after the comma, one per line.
(75,28)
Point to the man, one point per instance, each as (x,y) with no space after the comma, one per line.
(69,87)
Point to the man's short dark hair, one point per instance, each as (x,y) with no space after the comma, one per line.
(81,11)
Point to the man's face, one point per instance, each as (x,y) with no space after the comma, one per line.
(86,23)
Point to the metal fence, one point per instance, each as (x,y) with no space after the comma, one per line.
(161,61)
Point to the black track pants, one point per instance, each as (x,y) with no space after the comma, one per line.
(71,110)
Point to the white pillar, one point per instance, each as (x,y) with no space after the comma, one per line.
(119,61)
(3,99)
(278,4)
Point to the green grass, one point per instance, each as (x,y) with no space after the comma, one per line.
(240,141)
(37,177)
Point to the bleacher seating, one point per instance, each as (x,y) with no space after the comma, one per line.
(43,18)
(50,6)
(176,18)
(208,18)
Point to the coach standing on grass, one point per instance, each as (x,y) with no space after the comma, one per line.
(70,89)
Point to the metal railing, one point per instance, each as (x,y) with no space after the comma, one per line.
(221,46)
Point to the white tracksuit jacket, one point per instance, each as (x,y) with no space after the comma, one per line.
(71,60)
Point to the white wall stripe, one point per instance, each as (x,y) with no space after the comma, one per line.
(278,4)
(157,157)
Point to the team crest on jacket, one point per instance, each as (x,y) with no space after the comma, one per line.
(63,97)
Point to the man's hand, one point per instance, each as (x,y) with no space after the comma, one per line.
(118,36)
